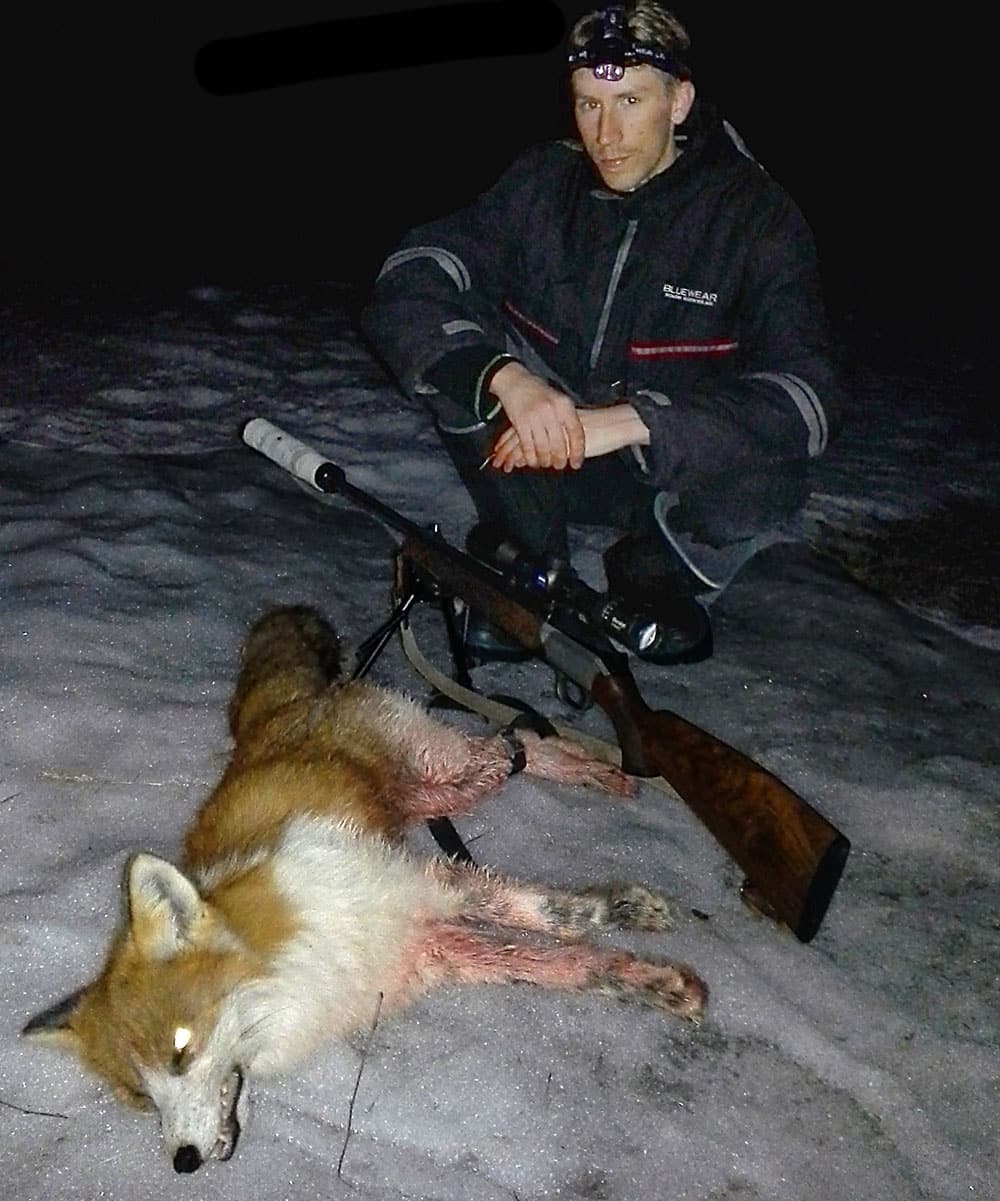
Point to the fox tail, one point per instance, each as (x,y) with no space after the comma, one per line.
(290,654)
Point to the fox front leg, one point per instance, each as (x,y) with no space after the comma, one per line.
(493,899)
(454,777)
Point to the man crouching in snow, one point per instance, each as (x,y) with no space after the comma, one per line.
(624,331)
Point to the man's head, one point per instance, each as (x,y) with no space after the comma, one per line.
(631,88)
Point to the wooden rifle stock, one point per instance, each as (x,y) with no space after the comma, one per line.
(792,856)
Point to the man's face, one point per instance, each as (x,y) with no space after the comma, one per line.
(627,125)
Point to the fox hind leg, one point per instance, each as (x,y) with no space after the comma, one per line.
(451,953)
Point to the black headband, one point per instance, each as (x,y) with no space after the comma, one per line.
(612,48)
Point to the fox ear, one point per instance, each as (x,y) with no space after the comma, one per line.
(164,906)
(54,1025)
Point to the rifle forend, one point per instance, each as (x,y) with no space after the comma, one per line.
(791,855)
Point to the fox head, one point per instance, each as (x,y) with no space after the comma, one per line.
(162,1022)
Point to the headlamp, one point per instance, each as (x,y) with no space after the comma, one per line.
(611,49)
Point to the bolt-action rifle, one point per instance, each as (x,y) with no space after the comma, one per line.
(791,855)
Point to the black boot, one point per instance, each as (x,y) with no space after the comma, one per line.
(485,643)
(528,504)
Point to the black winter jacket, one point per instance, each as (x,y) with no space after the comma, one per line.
(696,297)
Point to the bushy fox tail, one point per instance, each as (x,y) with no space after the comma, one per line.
(290,654)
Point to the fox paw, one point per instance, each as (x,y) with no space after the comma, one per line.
(567,762)
(626,906)
(679,990)
(672,987)
(632,907)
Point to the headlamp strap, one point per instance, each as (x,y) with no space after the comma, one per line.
(612,49)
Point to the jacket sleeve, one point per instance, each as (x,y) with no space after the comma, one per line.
(784,402)
(434,310)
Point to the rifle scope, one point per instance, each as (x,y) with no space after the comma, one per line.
(680,632)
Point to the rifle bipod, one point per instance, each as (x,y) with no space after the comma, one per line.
(376,642)
(411,586)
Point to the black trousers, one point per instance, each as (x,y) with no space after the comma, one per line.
(535,507)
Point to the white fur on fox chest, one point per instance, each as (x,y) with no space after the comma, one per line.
(359,903)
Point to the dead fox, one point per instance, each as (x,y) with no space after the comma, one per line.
(298,909)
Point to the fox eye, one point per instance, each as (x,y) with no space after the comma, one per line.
(181,1049)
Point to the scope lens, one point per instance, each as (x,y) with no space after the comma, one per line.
(646,635)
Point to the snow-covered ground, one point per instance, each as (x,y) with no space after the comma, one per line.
(139,537)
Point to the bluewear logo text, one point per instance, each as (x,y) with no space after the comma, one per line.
(689,295)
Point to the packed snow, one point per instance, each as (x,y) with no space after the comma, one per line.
(138,539)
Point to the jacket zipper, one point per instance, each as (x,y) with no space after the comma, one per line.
(616,274)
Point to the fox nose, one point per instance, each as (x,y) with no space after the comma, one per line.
(187,1159)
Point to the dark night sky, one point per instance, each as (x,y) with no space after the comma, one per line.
(120,167)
